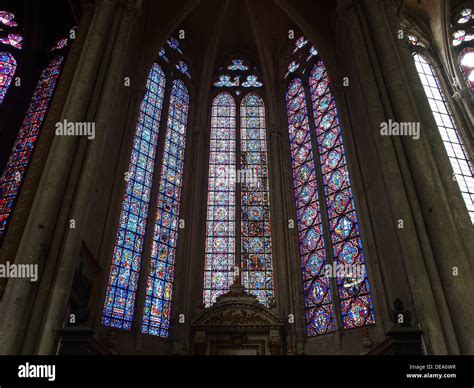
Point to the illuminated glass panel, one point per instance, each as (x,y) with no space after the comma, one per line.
(449,133)
(354,291)
(20,157)
(317,290)
(237,64)
(220,240)
(256,259)
(156,315)
(7,71)
(466,63)
(123,280)
(7,19)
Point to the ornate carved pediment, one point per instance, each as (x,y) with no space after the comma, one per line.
(237,309)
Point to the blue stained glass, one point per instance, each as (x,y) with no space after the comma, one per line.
(317,291)
(237,64)
(257,273)
(121,292)
(354,291)
(157,310)
(20,157)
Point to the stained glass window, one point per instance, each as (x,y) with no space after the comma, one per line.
(162,54)
(252,82)
(465,16)
(237,64)
(7,71)
(60,44)
(183,68)
(127,256)
(17,165)
(354,291)
(174,44)
(224,81)
(14,40)
(312,53)
(156,315)
(461,36)
(466,63)
(256,258)
(300,43)
(220,240)
(458,156)
(292,67)
(6,18)
(254,205)
(317,291)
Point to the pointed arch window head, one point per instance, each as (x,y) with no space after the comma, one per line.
(157,310)
(235,195)
(20,157)
(450,135)
(7,72)
(123,280)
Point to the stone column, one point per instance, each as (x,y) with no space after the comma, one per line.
(400,196)
(441,228)
(114,79)
(17,302)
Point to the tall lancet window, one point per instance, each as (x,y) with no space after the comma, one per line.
(220,242)
(238,191)
(256,247)
(22,152)
(156,315)
(123,281)
(462,166)
(335,282)
(147,235)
